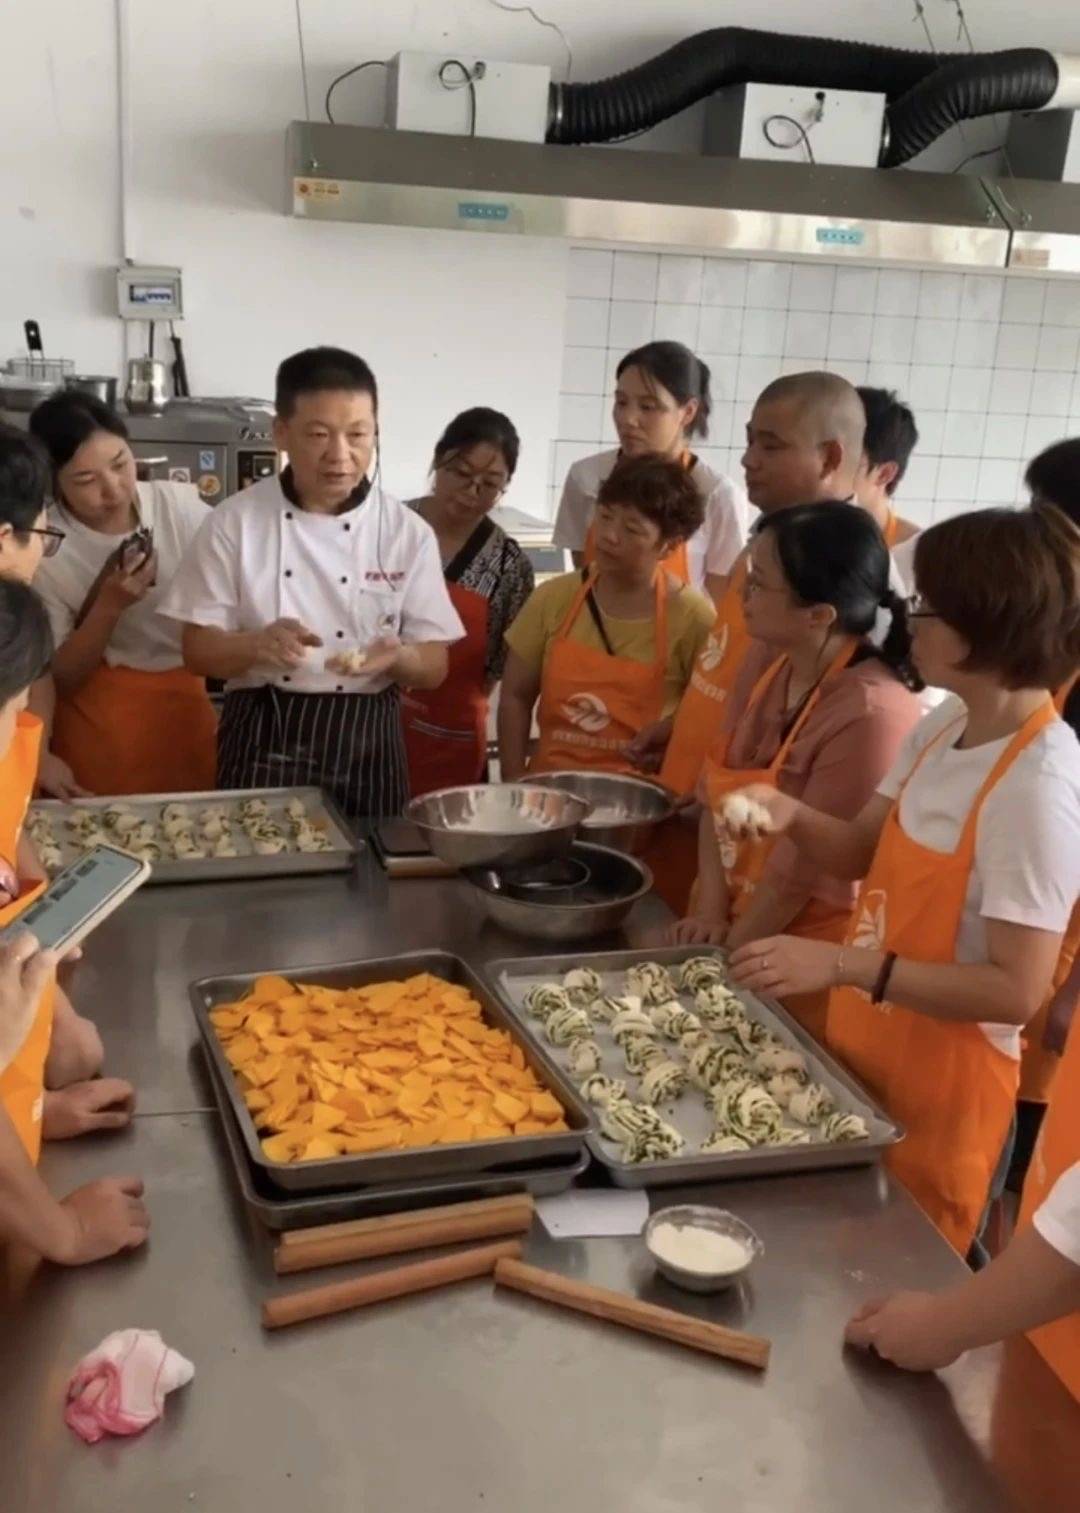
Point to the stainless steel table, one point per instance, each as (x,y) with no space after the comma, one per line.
(463,1400)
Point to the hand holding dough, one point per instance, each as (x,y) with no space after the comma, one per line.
(350,664)
(745,817)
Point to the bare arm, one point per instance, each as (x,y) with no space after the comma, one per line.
(43,703)
(843,848)
(771,909)
(213,653)
(116,590)
(1028,1284)
(422,664)
(517,698)
(1006,989)
(75,1049)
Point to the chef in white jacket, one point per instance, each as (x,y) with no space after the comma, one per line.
(316,597)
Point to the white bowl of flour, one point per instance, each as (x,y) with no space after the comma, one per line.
(701,1249)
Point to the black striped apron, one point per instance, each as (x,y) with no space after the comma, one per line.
(348,744)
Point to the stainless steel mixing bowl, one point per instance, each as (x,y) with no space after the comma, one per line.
(638,804)
(615,883)
(497,823)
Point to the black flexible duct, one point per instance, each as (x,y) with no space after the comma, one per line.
(926,94)
(981,84)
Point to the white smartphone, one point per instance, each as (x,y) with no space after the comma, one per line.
(79,898)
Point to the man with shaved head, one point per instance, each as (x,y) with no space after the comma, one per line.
(804,441)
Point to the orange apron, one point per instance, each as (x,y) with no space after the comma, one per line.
(944,1081)
(593,704)
(890,530)
(22,1081)
(130,731)
(698,717)
(446,728)
(744,861)
(1056,1149)
(1037,1064)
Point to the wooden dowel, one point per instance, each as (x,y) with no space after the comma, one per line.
(293,1239)
(392,1239)
(617,1308)
(338,1297)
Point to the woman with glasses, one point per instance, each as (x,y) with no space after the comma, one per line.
(817,713)
(128,718)
(488,578)
(970,858)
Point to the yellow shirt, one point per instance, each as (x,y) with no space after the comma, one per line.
(690,617)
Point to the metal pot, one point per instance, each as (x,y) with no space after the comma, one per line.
(147,386)
(100,385)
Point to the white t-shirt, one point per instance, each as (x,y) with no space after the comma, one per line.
(143,638)
(350,578)
(1027,842)
(1058,1216)
(711,550)
(903,561)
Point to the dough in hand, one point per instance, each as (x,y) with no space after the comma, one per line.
(348,663)
(745,816)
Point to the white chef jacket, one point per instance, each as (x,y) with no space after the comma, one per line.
(372,571)
(1027,842)
(143,638)
(711,550)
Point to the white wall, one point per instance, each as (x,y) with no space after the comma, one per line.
(447,320)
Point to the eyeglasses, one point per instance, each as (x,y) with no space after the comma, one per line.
(52,538)
(918,609)
(485,488)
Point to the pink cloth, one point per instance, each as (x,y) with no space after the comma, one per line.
(120,1387)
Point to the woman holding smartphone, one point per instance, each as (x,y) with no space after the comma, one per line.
(128,718)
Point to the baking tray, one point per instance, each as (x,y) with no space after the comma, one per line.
(418,1162)
(223,868)
(276,1212)
(513,976)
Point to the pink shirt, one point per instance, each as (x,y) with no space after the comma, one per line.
(847,745)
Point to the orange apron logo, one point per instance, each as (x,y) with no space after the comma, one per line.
(715,649)
(586,712)
(870,930)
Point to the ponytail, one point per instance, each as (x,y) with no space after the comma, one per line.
(895,649)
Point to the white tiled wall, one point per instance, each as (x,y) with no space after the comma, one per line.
(988,363)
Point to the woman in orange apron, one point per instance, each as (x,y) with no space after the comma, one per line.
(129,718)
(971,856)
(488,578)
(816,711)
(609,651)
(662,403)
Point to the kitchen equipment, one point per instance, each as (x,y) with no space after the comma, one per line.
(321,810)
(546,907)
(26,381)
(294,1213)
(474,1156)
(147,388)
(377,1287)
(618,1308)
(624,810)
(100,385)
(512,978)
(334,1244)
(404,852)
(700,1216)
(497,823)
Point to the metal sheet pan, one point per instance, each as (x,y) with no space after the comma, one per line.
(276,1212)
(224,868)
(419,1162)
(512,977)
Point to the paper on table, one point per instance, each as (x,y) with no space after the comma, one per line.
(574,1215)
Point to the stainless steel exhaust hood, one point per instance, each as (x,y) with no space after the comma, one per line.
(672,201)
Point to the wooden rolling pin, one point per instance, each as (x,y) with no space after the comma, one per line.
(338,1297)
(617,1308)
(360,1239)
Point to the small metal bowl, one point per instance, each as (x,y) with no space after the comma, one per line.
(638,804)
(697,1216)
(575,912)
(497,824)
